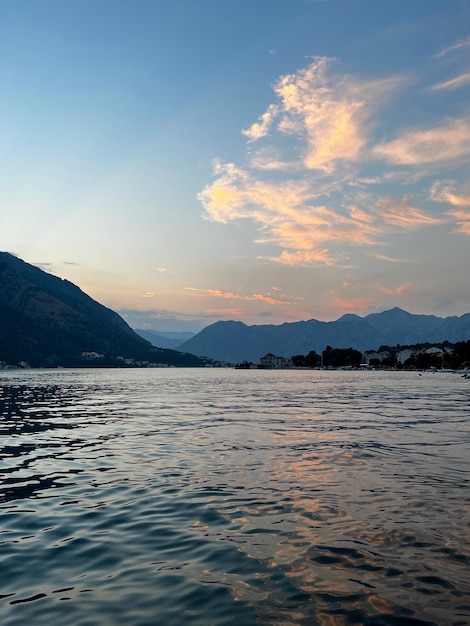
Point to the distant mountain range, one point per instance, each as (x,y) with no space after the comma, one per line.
(48,322)
(164,339)
(234,342)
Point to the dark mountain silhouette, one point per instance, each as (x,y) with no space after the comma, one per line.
(164,339)
(47,321)
(234,342)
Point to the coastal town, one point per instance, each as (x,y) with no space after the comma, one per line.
(440,357)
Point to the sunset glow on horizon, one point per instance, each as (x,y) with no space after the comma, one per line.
(267,162)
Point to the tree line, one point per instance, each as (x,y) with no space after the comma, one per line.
(330,357)
(452,356)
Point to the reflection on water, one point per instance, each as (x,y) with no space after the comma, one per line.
(234,497)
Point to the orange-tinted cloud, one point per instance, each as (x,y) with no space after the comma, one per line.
(400,213)
(262,126)
(304,183)
(398,291)
(288,216)
(383,257)
(330,113)
(236,313)
(417,147)
(342,303)
(462,217)
(227,295)
(446,191)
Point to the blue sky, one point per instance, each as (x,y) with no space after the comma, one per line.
(185,161)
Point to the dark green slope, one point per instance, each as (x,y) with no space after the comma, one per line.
(47,321)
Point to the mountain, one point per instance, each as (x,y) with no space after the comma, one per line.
(398,326)
(234,342)
(164,339)
(47,321)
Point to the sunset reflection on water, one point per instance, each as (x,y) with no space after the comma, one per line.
(276,500)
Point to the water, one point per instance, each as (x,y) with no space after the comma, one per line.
(207,497)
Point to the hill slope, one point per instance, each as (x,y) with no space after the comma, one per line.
(235,342)
(47,321)
(164,339)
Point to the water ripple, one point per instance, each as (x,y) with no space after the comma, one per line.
(224,497)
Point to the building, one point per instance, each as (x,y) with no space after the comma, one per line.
(271,361)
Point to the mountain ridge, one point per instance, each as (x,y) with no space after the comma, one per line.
(390,327)
(164,339)
(47,321)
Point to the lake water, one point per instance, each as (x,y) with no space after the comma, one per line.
(216,497)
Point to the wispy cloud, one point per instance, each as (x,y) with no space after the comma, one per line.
(229,312)
(458,197)
(462,218)
(447,191)
(348,304)
(399,212)
(462,43)
(257,297)
(388,259)
(453,83)
(397,291)
(448,141)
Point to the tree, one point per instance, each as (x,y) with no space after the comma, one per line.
(298,360)
(312,359)
(341,357)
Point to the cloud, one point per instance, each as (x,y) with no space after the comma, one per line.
(235,313)
(261,128)
(342,303)
(453,83)
(383,257)
(329,113)
(287,216)
(311,161)
(257,297)
(415,147)
(269,158)
(235,194)
(462,43)
(148,294)
(398,291)
(45,266)
(446,191)
(400,213)
(462,218)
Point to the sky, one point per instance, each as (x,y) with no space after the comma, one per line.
(268,161)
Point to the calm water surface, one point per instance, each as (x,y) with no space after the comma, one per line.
(207,497)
